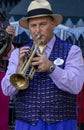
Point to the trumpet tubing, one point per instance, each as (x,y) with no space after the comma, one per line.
(31,73)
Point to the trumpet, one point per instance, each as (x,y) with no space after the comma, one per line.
(20,80)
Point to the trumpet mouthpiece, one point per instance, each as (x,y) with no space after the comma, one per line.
(38,36)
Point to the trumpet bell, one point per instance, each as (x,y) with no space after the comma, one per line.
(19,81)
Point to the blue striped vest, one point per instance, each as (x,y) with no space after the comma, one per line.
(43,100)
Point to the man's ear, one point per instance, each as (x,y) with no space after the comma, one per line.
(53,24)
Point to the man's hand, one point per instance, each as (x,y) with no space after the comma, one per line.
(42,62)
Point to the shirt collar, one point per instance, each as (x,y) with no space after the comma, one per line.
(50,44)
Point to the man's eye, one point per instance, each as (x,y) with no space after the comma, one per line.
(43,24)
(33,25)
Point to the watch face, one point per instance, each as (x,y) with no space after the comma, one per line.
(52,67)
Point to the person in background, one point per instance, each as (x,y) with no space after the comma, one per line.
(5,51)
(80,117)
(80,104)
(48,102)
(18,40)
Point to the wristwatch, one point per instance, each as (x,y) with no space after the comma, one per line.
(52,68)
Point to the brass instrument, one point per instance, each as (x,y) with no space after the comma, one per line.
(4,42)
(20,80)
(5,38)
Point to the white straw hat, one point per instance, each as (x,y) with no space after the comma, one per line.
(39,8)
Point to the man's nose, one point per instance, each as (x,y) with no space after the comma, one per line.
(38,28)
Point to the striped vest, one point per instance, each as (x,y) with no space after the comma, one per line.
(43,99)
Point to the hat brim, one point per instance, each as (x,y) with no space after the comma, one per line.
(24,21)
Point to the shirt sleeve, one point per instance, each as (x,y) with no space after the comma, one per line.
(7,88)
(70,78)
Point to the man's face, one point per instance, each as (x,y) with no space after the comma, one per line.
(43,26)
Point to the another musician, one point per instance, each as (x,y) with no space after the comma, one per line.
(5,51)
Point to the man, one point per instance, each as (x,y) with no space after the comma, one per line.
(49,101)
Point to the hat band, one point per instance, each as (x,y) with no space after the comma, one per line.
(39,12)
